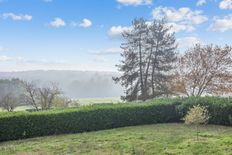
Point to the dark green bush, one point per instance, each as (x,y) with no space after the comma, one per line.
(25,124)
(19,125)
(220,109)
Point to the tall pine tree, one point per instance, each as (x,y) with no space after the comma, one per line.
(162,46)
(148,56)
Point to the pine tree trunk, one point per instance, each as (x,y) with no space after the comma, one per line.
(141,70)
(152,80)
(147,70)
(153,69)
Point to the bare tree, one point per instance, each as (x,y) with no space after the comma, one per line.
(9,102)
(31,94)
(41,97)
(47,95)
(204,70)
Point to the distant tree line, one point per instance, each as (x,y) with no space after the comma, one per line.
(151,66)
(10,93)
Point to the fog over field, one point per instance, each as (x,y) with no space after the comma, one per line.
(74,84)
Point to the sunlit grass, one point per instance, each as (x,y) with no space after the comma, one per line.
(149,139)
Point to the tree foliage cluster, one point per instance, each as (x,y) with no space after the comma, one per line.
(151,66)
(205,70)
(148,58)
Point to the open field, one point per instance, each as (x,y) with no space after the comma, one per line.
(88,101)
(20,108)
(149,139)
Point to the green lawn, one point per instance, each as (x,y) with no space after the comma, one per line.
(149,139)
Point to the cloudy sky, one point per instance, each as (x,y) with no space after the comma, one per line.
(85,34)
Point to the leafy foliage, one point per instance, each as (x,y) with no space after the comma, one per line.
(147,60)
(197,115)
(90,118)
(18,125)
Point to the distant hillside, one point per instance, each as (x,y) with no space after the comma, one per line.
(75,84)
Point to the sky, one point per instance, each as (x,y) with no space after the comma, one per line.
(85,34)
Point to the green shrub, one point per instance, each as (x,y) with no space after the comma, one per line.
(19,125)
(25,124)
(219,108)
(197,115)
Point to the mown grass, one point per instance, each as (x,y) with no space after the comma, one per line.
(158,139)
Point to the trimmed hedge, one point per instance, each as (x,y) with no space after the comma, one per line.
(25,124)
(220,108)
(19,125)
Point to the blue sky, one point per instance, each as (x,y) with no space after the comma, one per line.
(85,34)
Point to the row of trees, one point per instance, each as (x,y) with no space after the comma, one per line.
(15,92)
(151,67)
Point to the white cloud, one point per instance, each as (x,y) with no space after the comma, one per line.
(17,17)
(86,23)
(180,27)
(187,42)
(57,22)
(183,19)
(4,58)
(116,31)
(221,24)
(185,15)
(201,2)
(109,51)
(225,4)
(135,2)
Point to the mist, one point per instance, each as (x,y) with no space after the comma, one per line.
(74,84)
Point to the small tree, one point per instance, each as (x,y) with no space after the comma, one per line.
(31,94)
(47,96)
(197,115)
(9,102)
(61,102)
